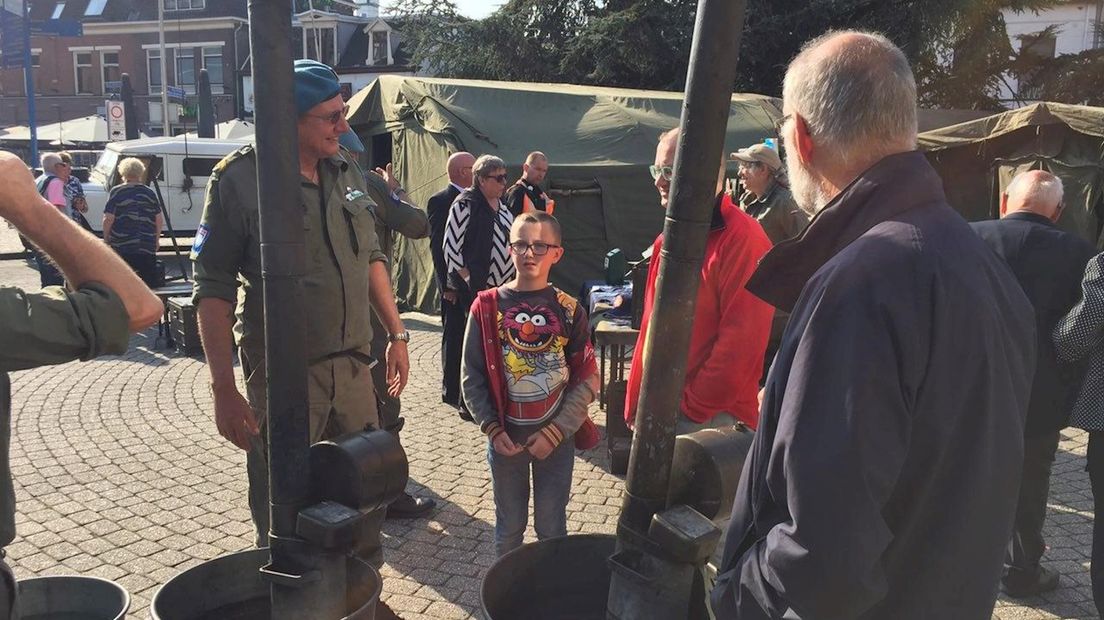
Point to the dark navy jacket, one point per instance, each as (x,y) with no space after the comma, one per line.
(1048,263)
(437,209)
(883,477)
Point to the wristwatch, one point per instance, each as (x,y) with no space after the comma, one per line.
(403,336)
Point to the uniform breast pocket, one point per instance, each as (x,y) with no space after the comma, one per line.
(359,220)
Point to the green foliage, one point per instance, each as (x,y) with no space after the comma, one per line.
(959,48)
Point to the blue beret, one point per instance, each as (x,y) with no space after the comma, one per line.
(314,83)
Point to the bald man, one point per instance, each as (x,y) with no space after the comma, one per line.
(883,477)
(1048,263)
(453,317)
(526,194)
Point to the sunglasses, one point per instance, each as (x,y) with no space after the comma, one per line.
(333,118)
(667,172)
(539,248)
(501,178)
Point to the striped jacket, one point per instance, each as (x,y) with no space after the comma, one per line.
(1079,336)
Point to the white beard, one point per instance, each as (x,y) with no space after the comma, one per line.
(805,187)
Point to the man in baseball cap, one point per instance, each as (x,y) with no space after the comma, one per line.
(766,197)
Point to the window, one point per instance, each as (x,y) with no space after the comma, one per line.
(184,5)
(58,9)
(1037,48)
(186,69)
(95,8)
(379,48)
(153,71)
(82,65)
(36,56)
(199,166)
(109,67)
(212,62)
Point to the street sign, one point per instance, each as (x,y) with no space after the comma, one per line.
(11,38)
(116,120)
(175,93)
(113,86)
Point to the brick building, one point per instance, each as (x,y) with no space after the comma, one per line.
(73,76)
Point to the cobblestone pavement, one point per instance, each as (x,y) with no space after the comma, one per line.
(120,473)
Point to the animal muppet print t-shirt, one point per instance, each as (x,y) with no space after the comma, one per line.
(539,331)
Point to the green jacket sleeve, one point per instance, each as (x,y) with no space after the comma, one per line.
(54,326)
(401,217)
(218,251)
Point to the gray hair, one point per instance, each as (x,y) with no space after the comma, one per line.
(1036,189)
(49,160)
(487,163)
(858,100)
(132,168)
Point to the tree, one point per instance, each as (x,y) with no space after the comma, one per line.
(959,48)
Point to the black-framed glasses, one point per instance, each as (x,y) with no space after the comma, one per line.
(539,248)
(667,172)
(501,178)
(333,118)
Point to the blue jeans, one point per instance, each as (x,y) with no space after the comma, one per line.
(551,489)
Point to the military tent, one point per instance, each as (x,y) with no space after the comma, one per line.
(599,142)
(977,160)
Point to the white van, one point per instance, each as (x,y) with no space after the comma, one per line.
(186,167)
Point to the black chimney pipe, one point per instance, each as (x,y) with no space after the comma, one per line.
(698,160)
(130,117)
(206,112)
(306,582)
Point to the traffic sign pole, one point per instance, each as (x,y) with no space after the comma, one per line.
(28,77)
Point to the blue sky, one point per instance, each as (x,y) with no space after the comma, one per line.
(477,8)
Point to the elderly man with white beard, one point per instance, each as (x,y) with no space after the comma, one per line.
(883,479)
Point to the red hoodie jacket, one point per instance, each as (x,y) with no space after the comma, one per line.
(731,326)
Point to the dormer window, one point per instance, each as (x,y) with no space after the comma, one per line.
(379,47)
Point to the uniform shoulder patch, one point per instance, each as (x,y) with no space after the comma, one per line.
(232,157)
(200,238)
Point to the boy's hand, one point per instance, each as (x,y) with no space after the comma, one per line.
(539,446)
(505,446)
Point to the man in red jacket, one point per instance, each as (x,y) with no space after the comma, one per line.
(731,326)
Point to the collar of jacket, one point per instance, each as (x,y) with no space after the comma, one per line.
(476,197)
(767,194)
(529,187)
(890,187)
(1027,216)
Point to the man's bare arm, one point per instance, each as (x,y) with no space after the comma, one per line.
(383,302)
(81,257)
(233,415)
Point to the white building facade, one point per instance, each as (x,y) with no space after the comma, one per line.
(1074,27)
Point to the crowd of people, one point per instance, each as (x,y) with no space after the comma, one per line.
(920,368)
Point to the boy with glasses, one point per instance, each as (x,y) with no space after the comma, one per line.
(528,377)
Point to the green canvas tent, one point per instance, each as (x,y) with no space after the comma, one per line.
(599,142)
(978,159)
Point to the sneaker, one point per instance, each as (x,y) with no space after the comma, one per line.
(1017,586)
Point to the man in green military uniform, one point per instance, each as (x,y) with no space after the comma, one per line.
(770,202)
(765,197)
(54,325)
(393,215)
(345,271)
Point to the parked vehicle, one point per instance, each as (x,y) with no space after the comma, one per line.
(186,165)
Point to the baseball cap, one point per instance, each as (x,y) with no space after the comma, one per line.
(759,153)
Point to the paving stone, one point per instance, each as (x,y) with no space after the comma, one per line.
(138,498)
